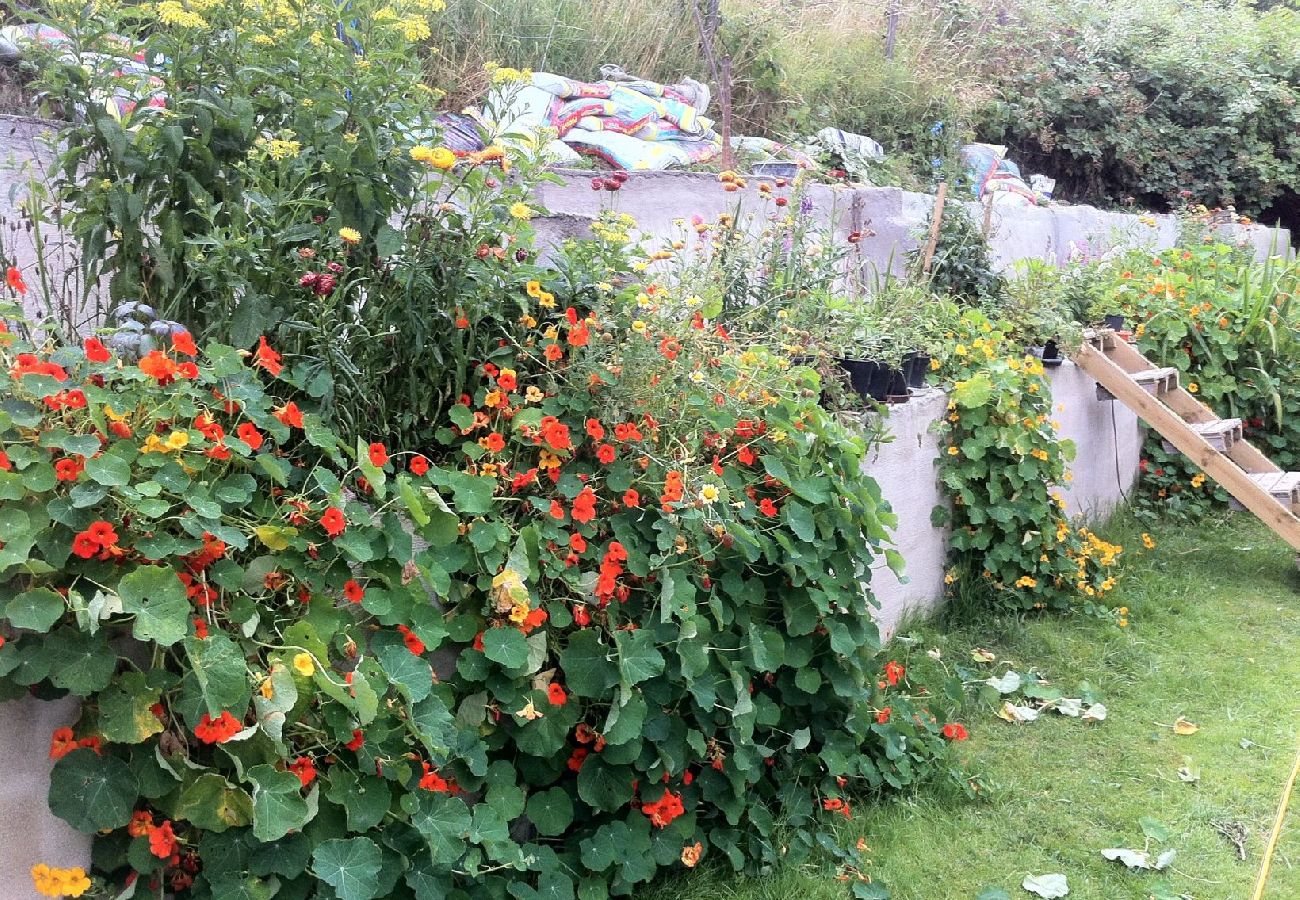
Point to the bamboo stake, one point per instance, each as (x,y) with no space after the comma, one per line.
(937,220)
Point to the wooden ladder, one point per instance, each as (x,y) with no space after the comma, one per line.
(1215,445)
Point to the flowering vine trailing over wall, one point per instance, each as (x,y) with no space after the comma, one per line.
(617,621)
(1011,538)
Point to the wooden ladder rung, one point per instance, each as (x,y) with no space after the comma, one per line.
(1220,434)
(1284,487)
(1157,381)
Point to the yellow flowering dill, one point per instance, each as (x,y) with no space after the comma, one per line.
(172,12)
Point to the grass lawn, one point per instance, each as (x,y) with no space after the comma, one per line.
(1214,637)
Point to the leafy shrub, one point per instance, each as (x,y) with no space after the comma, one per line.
(1142,101)
(1011,539)
(961,267)
(621,620)
(1229,325)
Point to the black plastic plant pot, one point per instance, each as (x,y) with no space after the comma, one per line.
(1115,322)
(896,386)
(861,373)
(915,365)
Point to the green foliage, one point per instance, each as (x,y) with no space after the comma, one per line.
(961,266)
(1011,540)
(1229,325)
(619,619)
(1143,101)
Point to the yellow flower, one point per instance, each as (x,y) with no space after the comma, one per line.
(278,150)
(441,158)
(349,236)
(639,326)
(953,451)
(414,29)
(177,440)
(154,444)
(53,882)
(547,460)
(533,289)
(547,300)
(172,12)
(520,211)
(1148,541)
(960,350)
(1198,479)
(934,364)
(421,153)
(1123,623)
(1024,581)
(519,612)
(709,494)
(304,665)
(534,394)
(1193,387)
(527,321)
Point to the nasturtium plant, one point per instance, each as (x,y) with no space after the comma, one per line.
(617,618)
(1002,464)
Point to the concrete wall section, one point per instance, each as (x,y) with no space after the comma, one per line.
(29,833)
(1107,438)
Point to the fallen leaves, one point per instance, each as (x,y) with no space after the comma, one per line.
(1139,859)
(1049,886)
(1183,727)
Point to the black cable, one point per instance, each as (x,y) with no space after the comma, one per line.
(1114,429)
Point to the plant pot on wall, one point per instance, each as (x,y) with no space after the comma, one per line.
(875,380)
(1049,353)
(1115,322)
(915,365)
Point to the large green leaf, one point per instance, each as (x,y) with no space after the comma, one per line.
(638,657)
(350,866)
(506,646)
(37,609)
(78,662)
(278,804)
(443,821)
(109,470)
(408,672)
(551,811)
(125,710)
(217,678)
(212,804)
(588,670)
(92,792)
(605,787)
(365,799)
(156,597)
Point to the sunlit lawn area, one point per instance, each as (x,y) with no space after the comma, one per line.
(1214,637)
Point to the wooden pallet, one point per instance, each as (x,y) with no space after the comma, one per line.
(1214,445)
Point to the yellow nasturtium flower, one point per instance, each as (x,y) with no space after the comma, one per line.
(304,665)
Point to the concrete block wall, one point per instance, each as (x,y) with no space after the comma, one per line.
(1106,435)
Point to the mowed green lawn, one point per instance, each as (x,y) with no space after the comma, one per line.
(1214,637)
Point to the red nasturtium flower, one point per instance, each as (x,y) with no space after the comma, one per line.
(289,415)
(183,342)
(333,521)
(595,430)
(556,695)
(5,464)
(631,498)
(69,468)
(14,279)
(62,742)
(305,769)
(664,810)
(162,840)
(411,640)
(267,358)
(248,433)
(141,822)
(432,781)
(219,730)
(95,350)
(159,366)
(894,671)
(767,507)
(358,738)
(419,465)
(553,352)
(353,590)
(955,731)
(584,506)
(557,510)
(581,617)
(883,715)
(378,455)
(606,453)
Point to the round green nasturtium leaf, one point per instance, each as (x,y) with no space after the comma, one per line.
(444,822)
(505,646)
(550,811)
(350,866)
(109,470)
(212,804)
(37,609)
(588,669)
(78,662)
(156,597)
(125,713)
(92,792)
(365,799)
(278,804)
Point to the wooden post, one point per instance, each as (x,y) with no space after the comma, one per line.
(988,213)
(936,220)
(891,28)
